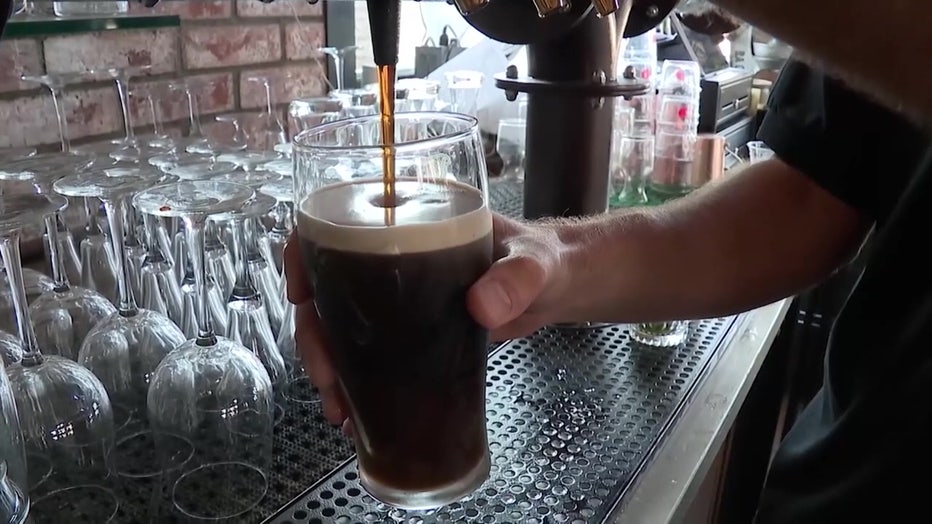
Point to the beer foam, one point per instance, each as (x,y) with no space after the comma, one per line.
(428,216)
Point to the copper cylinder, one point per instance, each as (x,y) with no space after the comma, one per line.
(606,7)
(546,8)
(468,7)
(708,159)
(690,164)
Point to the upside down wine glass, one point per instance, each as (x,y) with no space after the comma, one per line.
(123,349)
(64,410)
(65,314)
(210,391)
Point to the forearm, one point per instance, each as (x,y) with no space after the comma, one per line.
(870,44)
(757,236)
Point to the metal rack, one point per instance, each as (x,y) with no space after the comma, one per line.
(573,415)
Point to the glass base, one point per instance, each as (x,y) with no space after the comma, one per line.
(580,325)
(430,499)
(660,334)
(76,505)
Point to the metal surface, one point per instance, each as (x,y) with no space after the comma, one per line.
(667,485)
(573,415)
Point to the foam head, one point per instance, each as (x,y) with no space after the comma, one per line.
(427,216)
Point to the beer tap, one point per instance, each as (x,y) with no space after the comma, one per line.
(571,86)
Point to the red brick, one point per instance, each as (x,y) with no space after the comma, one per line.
(187,9)
(158,48)
(219,46)
(213,98)
(89,112)
(303,39)
(17,58)
(281,8)
(92,112)
(287,83)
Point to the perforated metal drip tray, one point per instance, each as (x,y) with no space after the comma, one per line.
(572,416)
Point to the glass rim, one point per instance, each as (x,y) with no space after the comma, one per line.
(472,124)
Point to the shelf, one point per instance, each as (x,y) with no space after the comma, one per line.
(50,26)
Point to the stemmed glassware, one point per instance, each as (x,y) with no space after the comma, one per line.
(270,132)
(41,171)
(248,313)
(11,351)
(210,391)
(130,148)
(55,83)
(123,349)
(64,410)
(195,142)
(282,218)
(14,481)
(338,54)
(65,314)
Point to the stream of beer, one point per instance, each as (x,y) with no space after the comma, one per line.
(387,128)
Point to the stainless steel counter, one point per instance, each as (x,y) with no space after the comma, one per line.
(665,488)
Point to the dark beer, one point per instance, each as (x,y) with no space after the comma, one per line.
(392,302)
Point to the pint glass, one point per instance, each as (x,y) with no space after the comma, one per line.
(390,288)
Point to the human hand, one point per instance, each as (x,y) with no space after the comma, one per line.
(522,291)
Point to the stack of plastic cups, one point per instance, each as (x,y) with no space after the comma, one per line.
(639,60)
(676,125)
(677,121)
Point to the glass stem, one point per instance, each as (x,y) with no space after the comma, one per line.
(156,121)
(115,213)
(123,91)
(338,66)
(268,97)
(9,249)
(62,121)
(194,228)
(91,227)
(243,288)
(193,114)
(58,269)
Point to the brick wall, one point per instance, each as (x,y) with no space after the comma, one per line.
(225,41)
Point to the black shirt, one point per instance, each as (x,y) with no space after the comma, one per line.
(862,449)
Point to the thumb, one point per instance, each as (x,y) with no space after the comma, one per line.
(506,290)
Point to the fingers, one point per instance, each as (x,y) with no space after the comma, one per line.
(507,289)
(313,353)
(299,289)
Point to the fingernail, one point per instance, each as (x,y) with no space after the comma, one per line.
(495,300)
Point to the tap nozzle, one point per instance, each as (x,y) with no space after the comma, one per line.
(468,7)
(607,7)
(546,8)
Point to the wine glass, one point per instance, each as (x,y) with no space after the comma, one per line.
(41,171)
(129,147)
(282,217)
(248,314)
(64,410)
(14,480)
(56,83)
(11,351)
(211,391)
(124,348)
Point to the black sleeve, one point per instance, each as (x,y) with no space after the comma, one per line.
(854,148)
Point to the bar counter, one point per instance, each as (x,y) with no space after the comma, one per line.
(585,426)
(631,464)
